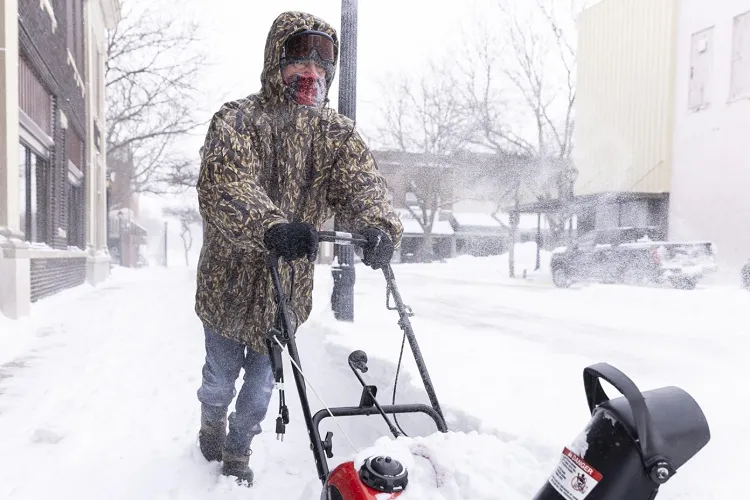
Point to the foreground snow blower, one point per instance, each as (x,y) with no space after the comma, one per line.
(631,446)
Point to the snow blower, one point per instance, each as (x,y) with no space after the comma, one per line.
(379,475)
(633,444)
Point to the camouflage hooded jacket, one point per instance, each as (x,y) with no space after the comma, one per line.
(268,160)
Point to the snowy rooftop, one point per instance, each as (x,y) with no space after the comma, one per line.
(476,220)
(412,225)
(439,227)
(498,220)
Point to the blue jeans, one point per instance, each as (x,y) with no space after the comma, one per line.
(224,358)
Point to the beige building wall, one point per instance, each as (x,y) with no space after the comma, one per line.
(101,15)
(14,254)
(9,214)
(625,99)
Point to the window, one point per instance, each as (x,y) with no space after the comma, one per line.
(701,61)
(75,210)
(634,213)
(587,240)
(75,150)
(32,173)
(410,199)
(740,84)
(33,98)
(74,17)
(97,82)
(74,200)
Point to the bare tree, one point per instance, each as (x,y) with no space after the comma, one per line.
(188,217)
(544,74)
(152,68)
(484,90)
(427,118)
(519,83)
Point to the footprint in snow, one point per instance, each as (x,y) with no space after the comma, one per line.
(45,436)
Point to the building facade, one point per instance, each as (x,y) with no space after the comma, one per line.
(710,174)
(52,192)
(625,113)
(471,188)
(101,16)
(412,179)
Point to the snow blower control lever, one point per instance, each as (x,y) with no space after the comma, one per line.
(358,363)
(378,474)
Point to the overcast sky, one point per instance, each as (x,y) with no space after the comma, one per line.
(393,36)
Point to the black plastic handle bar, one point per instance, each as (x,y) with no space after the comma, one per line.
(649,441)
(341,238)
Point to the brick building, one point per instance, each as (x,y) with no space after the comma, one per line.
(52,157)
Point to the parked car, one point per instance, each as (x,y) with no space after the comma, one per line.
(745,276)
(632,256)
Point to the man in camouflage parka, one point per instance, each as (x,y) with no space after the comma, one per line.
(274,166)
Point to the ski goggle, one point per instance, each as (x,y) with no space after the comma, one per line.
(301,46)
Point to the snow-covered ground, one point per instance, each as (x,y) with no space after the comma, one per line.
(97,388)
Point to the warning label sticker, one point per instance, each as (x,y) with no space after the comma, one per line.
(574,478)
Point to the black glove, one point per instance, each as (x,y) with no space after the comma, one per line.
(378,250)
(293,240)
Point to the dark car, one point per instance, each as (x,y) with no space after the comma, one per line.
(632,256)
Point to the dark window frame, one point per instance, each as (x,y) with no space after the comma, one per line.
(74,18)
(75,209)
(75,214)
(34,98)
(35,190)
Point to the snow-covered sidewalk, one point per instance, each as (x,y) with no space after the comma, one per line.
(102,404)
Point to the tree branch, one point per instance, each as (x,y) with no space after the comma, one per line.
(153,64)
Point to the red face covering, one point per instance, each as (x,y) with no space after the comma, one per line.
(307,89)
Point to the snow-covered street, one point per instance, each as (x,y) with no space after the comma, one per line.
(557,189)
(103,405)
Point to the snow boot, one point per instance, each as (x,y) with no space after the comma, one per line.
(213,432)
(236,466)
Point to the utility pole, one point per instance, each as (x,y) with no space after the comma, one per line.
(120,223)
(538,240)
(342,298)
(166,226)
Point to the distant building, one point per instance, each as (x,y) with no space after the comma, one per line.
(711,172)
(469,187)
(662,109)
(625,113)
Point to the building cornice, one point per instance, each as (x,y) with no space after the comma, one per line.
(112,12)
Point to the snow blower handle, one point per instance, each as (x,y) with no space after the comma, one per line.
(341,238)
(650,441)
